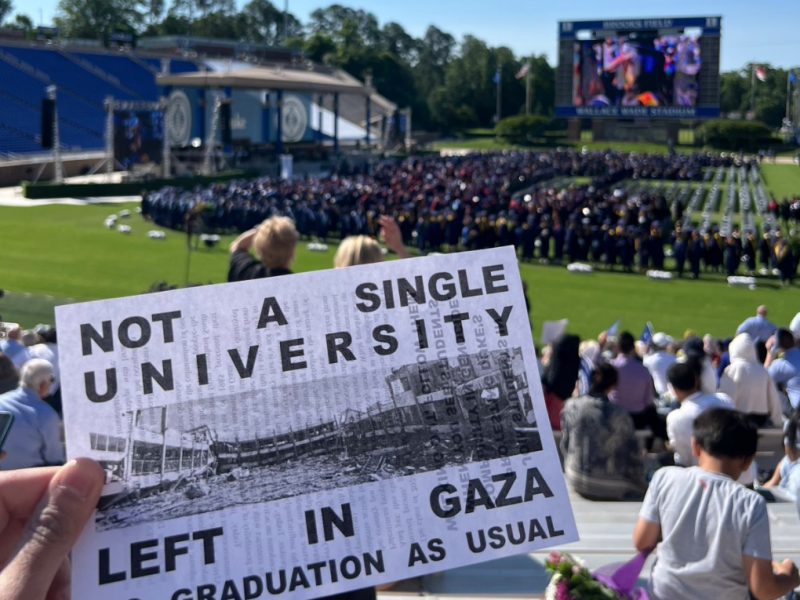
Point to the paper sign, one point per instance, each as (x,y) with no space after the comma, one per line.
(552,329)
(311,434)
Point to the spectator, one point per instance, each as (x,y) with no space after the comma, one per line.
(48,350)
(758,327)
(794,326)
(684,380)
(9,377)
(748,384)
(560,376)
(634,391)
(362,249)
(785,371)
(35,439)
(712,533)
(787,475)
(693,349)
(658,361)
(274,243)
(602,459)
(13,348)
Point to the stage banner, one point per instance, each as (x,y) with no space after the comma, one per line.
(306,435)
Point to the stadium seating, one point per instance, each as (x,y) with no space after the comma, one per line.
(175,65)
(134,74)
(69,75)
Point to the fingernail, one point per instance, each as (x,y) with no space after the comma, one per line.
(74,477)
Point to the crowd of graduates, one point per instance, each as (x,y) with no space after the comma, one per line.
(555,206)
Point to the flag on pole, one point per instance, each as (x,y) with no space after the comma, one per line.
(614,327)
(647,334)
(526,68)
(761,73)
(496,78)
(792,77)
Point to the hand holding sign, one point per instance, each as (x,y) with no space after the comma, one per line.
(42,513)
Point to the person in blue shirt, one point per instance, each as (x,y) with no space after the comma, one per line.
(759,327)
(34,439)
(785,371)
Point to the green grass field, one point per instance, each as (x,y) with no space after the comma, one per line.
(66,253)
(782,180)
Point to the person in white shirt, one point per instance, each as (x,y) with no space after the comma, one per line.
(48,350)
(683,379)
(712,534)
(749,385)
(658,361)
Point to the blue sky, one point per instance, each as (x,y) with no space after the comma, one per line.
(761,31)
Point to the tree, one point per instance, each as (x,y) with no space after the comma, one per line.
(155,10)
(436,50)
(332,21)
(96,18)
(396,40)
(220,25)
(733,90)
(264,23)
(22,22)
(6,6)
(320,48)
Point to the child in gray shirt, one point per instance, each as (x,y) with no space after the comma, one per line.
(712,533)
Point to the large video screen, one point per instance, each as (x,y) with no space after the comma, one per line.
(640,69)
(138,137)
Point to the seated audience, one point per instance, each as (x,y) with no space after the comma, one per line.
(273,242)
(712,533)
(602,459)
(560,376)
(787,474)
(48,350)
(9,377)
(34,440)
(749,386)
(785,371)
(758,327)
(684,381)
(658,361)
(634,391)
(13,348)
(694,349)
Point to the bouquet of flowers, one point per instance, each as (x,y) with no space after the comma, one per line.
(571,580)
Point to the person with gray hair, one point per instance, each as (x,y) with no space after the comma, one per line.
(34,439)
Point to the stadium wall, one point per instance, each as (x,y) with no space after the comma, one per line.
(48,191)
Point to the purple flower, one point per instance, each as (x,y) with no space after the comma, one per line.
(562,592)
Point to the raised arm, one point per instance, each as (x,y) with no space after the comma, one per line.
(392,236)
(243,242)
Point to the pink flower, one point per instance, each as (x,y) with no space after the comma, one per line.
(576,569)
(562,592)
(554,557)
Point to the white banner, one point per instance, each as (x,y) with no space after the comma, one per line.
(310,434)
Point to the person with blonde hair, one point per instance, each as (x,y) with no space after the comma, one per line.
(364,250)
(273,242)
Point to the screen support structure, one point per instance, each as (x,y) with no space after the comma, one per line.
(58,172)
(111,106)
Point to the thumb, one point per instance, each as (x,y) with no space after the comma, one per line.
(52,530)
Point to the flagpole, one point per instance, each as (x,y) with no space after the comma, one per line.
(753,90)
(528,90)
(788,94)
(499,78)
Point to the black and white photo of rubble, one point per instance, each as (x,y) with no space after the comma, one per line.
(202,456)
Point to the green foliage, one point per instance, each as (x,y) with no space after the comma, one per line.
(736,135)
(93,19)
(519,129)
(6,6)
(769,96)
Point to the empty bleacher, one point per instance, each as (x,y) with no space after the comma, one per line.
(136,75)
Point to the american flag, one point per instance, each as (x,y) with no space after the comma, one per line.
(526,68)
(761,73)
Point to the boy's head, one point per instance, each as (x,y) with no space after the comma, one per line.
(727,437)
(274,242)
(684,378)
